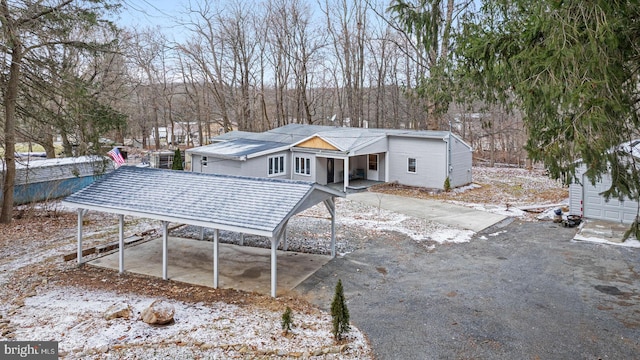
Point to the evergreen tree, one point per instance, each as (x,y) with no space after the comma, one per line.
(287,320)
(447,184)
(177,161)
(339,313)
(571,68)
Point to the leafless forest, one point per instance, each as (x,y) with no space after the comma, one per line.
(253,66)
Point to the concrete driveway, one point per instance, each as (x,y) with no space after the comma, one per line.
(524,291)
(433,210)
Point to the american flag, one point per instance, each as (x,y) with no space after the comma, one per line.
(117,157)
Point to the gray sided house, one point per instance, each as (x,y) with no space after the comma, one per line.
(340,155)
(585,199)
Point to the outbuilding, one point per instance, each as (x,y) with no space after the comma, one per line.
(256,206)
(586,200)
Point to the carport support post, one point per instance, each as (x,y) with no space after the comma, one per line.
(274,264)
(121,243)
(331,206)
(201,232)
(165,250)
(284,236)
(346,174)
(80,214)
(215,258)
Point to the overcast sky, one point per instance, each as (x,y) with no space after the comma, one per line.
(145,13)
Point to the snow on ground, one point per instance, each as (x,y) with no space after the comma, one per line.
(219,330)
(356,214)
(631,242)
(36,309)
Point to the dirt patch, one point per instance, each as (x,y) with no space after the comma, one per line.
(498,186)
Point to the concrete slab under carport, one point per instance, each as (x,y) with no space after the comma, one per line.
(240,267)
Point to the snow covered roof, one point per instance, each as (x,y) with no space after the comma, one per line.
(22,164)
(631,147)
(258,206)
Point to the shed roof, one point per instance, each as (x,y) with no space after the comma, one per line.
(258,206)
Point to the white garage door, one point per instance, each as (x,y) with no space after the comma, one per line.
(595,206)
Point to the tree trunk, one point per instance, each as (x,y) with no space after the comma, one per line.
(10,99)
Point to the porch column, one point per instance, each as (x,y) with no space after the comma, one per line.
(201,232)
(386,167)
(215,258)
(80,214)
(242,239)
(121,243)
(346,174)
(165,251)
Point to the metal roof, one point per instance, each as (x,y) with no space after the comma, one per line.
(238,149)
(344,138)
(258,206)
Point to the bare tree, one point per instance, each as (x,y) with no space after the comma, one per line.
(26,27)
(347,25)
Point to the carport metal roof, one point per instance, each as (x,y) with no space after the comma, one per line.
(257,206)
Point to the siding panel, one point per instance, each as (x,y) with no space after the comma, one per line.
(430,157)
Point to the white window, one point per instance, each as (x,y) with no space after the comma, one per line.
(204,161)
(302,166)
(276,165)
(411,165)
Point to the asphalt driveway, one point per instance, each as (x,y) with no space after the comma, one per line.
(523,291)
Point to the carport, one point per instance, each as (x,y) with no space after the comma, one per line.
(256,206)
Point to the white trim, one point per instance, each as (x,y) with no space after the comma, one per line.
(176,219)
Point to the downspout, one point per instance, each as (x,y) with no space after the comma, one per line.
(449,166)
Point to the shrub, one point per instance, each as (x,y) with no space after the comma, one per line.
(447,184)
(339,313)
(287,320)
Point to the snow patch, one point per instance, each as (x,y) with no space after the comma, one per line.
(631,242)
(74,317)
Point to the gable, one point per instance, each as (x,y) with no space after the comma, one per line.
(317,143)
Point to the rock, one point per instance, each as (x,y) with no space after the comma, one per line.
(118,310)
(160,312)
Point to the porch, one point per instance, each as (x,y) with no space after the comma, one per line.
(355,185)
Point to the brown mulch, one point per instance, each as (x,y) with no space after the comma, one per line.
(99,279)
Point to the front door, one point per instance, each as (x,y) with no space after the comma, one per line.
(330,171)
(372,169)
